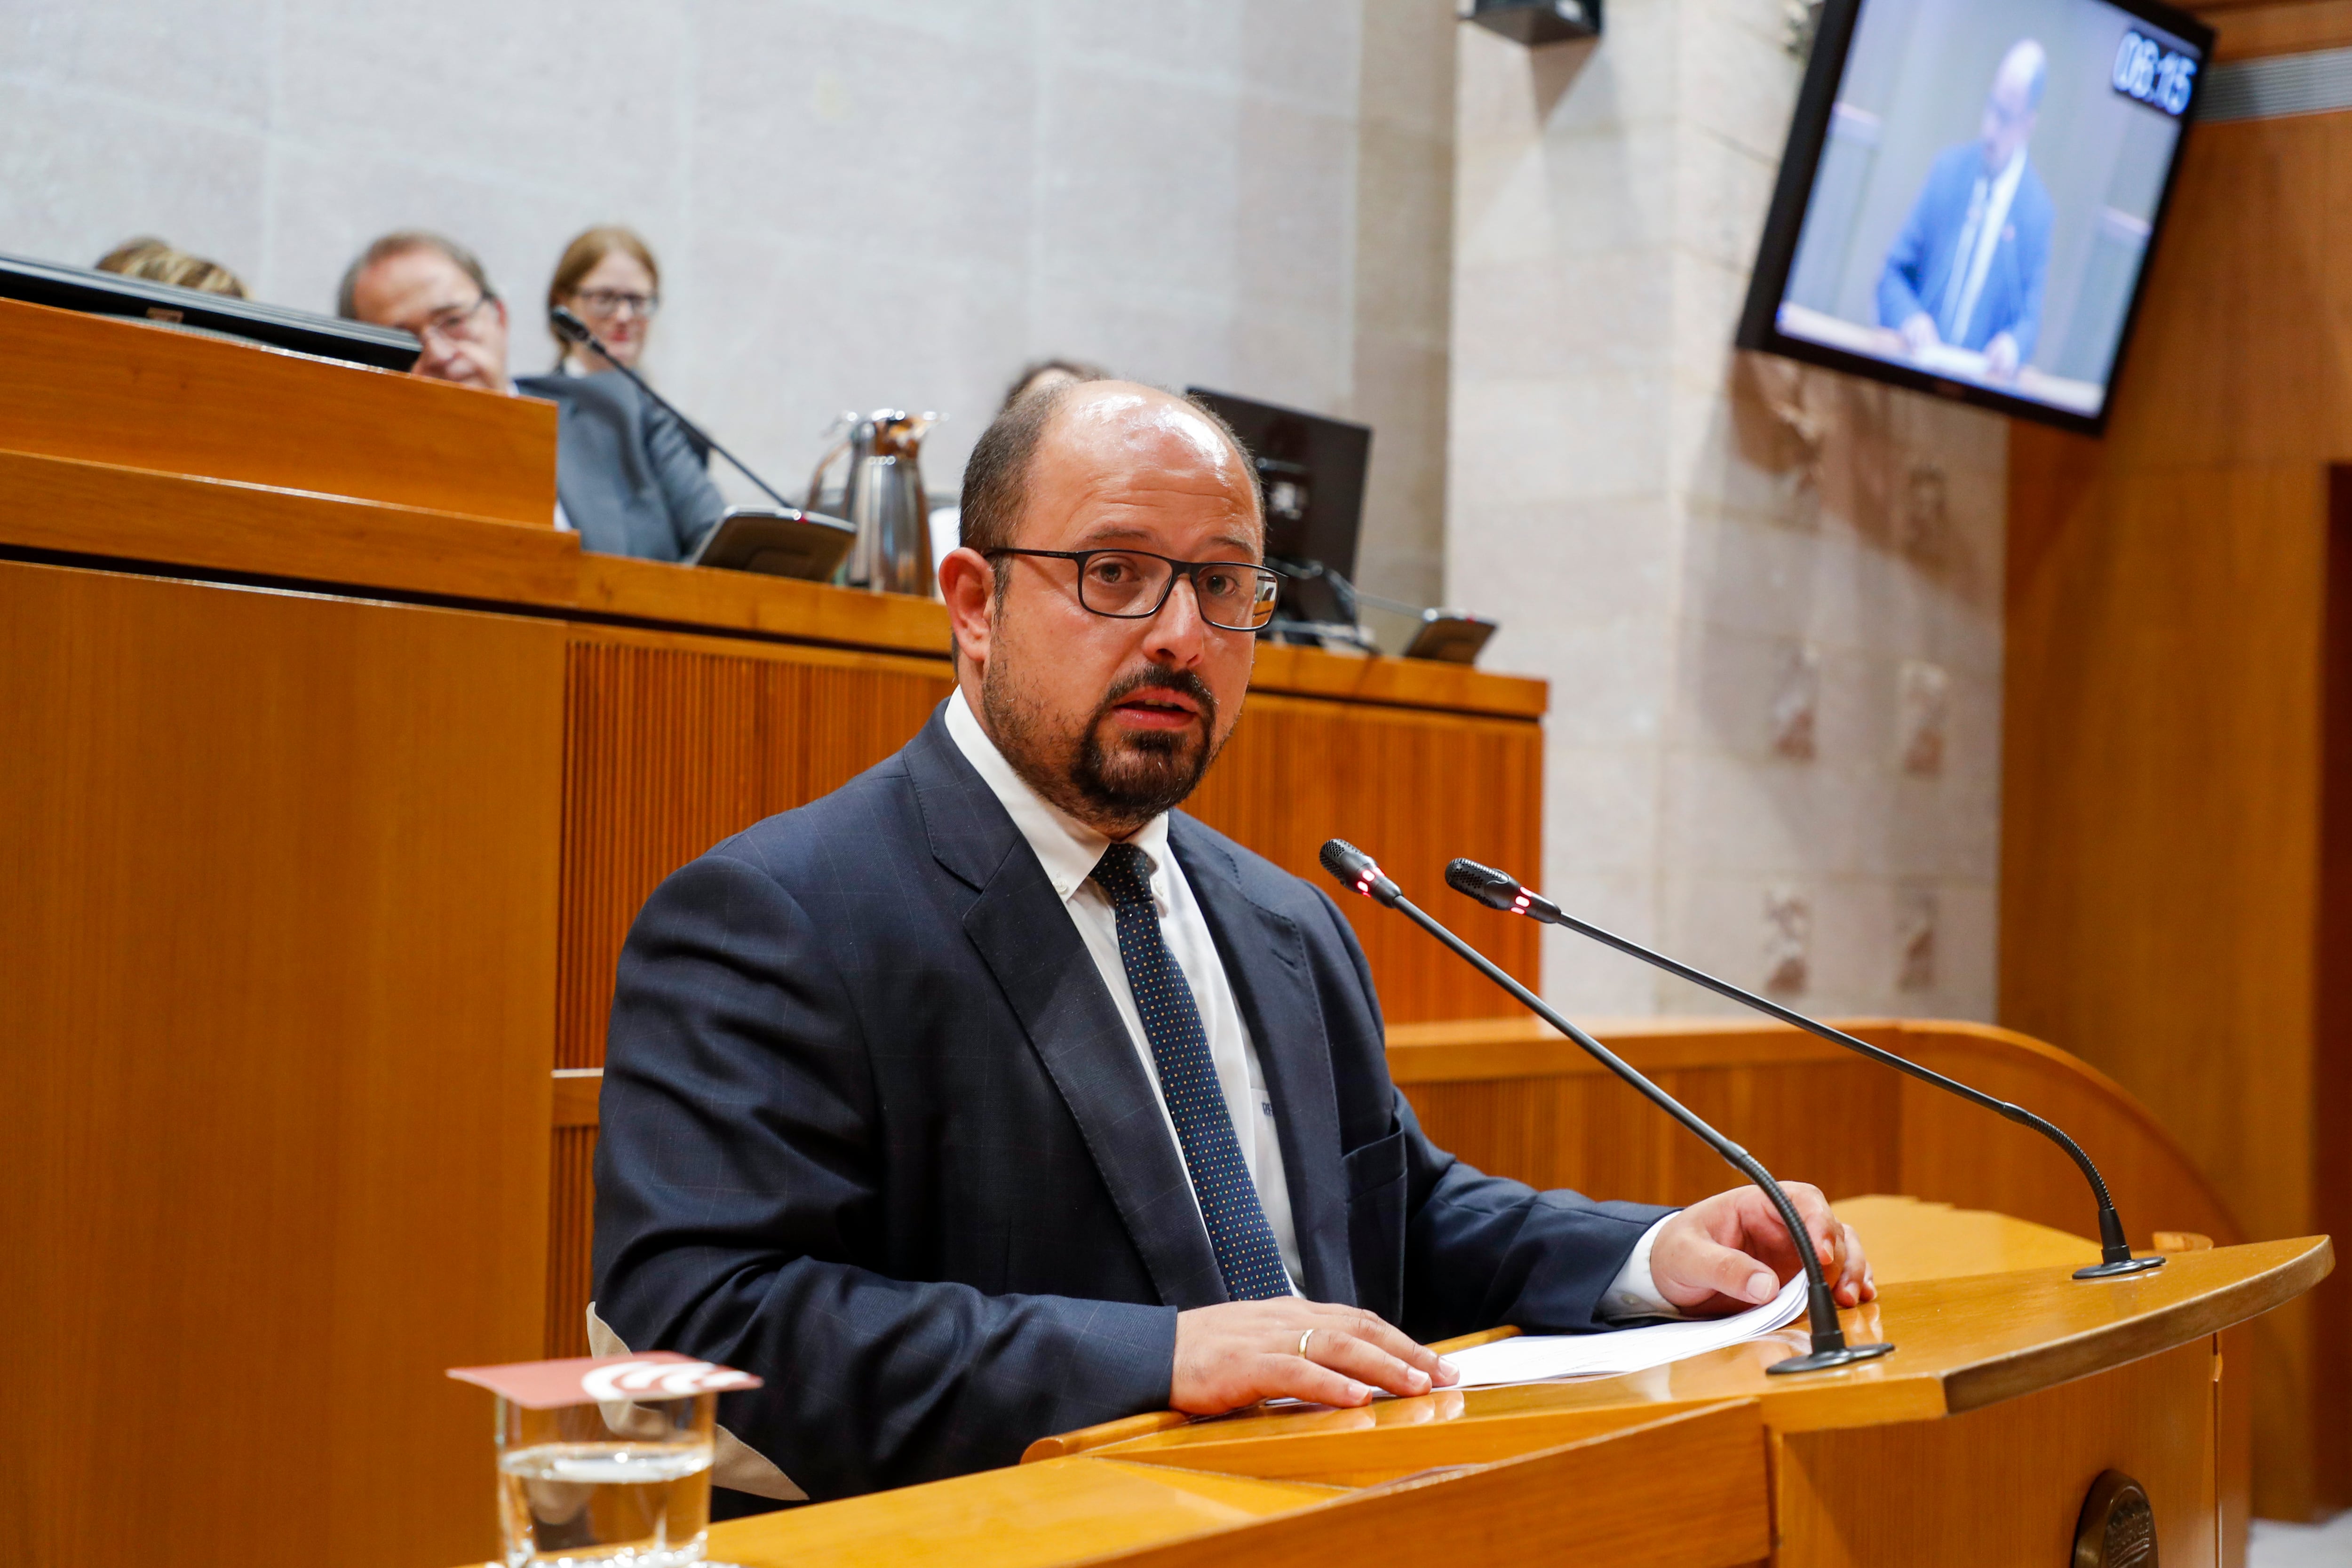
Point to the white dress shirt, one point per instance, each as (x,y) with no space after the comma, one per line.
(1978,245)
(1069,850)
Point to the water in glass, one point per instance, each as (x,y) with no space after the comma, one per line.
(577,1489)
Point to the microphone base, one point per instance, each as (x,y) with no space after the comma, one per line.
(2118,1269)
(1825,1360)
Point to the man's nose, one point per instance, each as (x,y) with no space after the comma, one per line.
(1178,632)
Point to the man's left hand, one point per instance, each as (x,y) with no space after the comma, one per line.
(1730,1252)
(2000,357)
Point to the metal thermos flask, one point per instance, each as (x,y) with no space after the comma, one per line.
(882,495)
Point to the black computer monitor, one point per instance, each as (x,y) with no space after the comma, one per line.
(107,294)
(1310,475)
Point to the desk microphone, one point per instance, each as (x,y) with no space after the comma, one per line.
(578,331)
(1500,890)
(1356,868)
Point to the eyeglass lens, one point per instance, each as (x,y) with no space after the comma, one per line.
(1234,597)
(611,302)
(454,325)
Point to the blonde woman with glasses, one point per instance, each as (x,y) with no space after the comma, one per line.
(609,278)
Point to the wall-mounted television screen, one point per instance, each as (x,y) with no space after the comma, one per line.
(1970,194)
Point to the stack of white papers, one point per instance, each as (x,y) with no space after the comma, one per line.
(1535,1358)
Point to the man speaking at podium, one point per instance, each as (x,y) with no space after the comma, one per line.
(1968,267)
(990,1097)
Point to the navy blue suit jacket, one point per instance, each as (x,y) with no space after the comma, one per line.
(873,1128)
(1919,263)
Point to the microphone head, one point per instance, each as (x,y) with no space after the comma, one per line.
(570,325)
(1359,871)
(1495,890)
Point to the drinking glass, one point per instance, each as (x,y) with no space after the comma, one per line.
(627,1481)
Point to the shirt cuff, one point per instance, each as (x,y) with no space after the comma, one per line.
(1634,1293)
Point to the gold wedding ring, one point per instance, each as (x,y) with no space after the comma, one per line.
(1302,1345)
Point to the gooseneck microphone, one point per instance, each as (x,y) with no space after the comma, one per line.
(1501,890)
(579,331)
(1352,866)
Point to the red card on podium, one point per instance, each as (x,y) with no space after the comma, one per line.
(597,1380)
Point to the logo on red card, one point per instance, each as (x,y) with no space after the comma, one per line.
(597,1380)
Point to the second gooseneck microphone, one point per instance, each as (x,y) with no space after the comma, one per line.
(580,332)
(1501,890)
(1357,869)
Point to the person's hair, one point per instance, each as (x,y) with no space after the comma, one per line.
(400,242)
(996,475)
(1076,369)
(579,258)
(160,262)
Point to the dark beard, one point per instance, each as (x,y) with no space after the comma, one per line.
(1124,786)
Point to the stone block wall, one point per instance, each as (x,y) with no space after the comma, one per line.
(1769,600)
(858,202)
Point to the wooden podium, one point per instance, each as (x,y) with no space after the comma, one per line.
(1975,1444)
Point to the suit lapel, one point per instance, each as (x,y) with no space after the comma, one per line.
(1265,958)
(575,488)
(1026,937)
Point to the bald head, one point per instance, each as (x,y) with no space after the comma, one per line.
(2014,101)
(1110,445)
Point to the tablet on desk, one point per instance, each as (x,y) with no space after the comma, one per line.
(1450,636)
(780,542)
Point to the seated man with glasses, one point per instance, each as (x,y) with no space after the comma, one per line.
(991,1095)
(627,477)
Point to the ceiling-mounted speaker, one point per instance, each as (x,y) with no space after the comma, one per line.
(1538,21)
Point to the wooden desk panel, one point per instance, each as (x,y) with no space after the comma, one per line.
(1514,1097)
(110,390)
(1684,1489)
(2253,28)
(672,743)
(2005,1485)
(2174,735)
(71,507)
(278,930)
(1413,789)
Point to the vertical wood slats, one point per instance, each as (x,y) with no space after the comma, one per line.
(570,1225)
(671,750)
(671,744)
(1413,790)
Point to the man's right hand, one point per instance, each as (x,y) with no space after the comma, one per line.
(1919,334)
(1238,1354)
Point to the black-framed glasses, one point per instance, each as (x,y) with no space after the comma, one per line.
(607,302)
(1133,585)
(455,323)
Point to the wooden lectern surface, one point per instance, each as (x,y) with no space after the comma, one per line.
(1973,1442)
(1682,1489)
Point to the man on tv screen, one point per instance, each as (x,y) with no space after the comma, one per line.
(1967,271)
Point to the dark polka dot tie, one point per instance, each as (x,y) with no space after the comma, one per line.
(1245,1243)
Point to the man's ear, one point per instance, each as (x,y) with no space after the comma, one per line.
(968,584)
